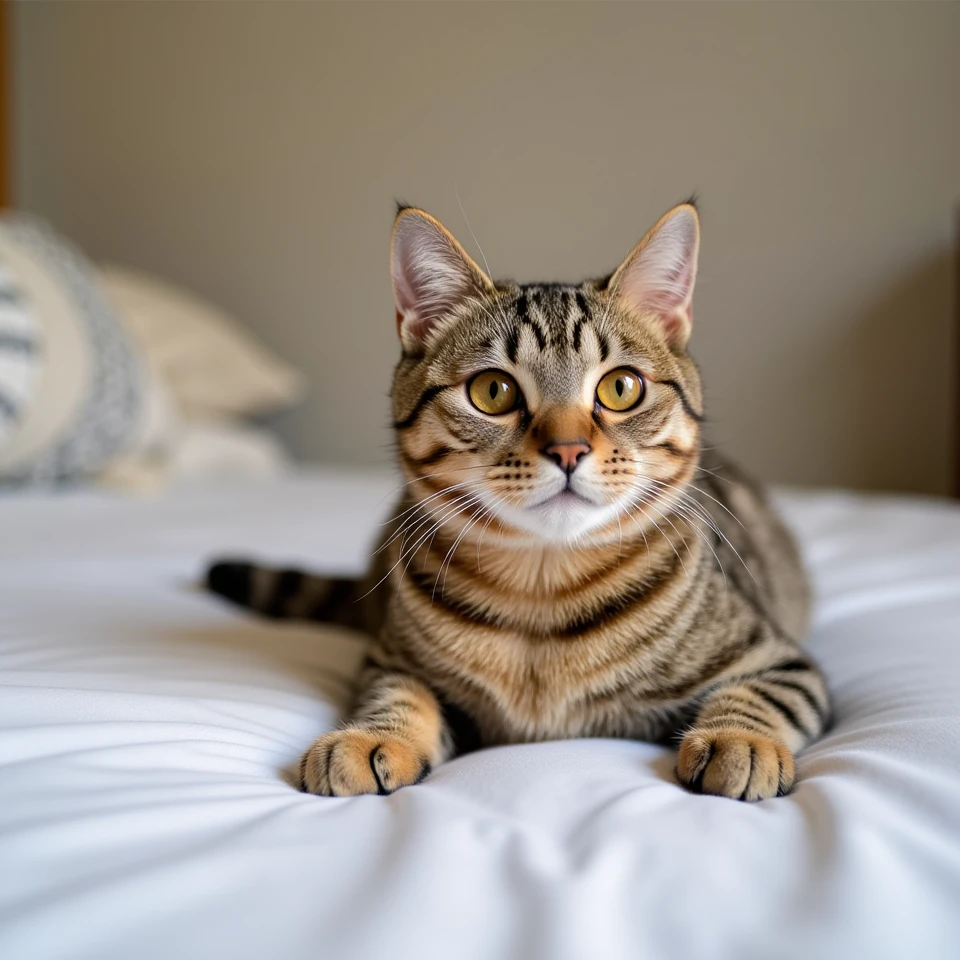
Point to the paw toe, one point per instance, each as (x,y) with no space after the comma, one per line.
(735,763)
(352,762)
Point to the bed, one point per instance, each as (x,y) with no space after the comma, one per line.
(147,732)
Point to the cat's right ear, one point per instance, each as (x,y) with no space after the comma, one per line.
(658,275)
(432,276)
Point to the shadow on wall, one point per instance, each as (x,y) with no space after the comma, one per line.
(899,362)
(875,398)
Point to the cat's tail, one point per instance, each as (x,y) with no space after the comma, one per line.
(289,594)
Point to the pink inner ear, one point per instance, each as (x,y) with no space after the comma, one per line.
(661,289)
(410,280)
(431,275)
(659,278)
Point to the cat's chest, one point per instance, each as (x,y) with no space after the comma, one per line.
(533,669)
(520,688)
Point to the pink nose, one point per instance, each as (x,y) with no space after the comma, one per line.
(567,454)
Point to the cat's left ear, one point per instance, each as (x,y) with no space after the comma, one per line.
(432,275)
(658,275)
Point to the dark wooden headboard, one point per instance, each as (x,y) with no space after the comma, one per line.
(6,66)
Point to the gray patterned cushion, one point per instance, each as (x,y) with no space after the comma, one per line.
(19,353)
(71,384)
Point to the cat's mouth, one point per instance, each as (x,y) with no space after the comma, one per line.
(567,497)
(561,516)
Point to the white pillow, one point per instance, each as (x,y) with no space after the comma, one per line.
(201,451)
(226,451)
(74,390)
(211,366)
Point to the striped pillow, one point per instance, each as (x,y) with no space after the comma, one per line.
(71,384)
(19,352)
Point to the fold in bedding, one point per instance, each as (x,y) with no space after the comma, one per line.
(147,731)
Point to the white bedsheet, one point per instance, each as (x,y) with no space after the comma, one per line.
(144,727)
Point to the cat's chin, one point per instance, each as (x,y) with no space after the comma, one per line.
(565,517)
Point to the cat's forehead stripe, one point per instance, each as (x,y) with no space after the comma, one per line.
(555,313)
(523,315)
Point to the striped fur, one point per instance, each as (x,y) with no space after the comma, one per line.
(662,597)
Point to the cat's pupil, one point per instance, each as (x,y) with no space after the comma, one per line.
(494,387)
(619,388)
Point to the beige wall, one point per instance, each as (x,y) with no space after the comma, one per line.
(253,151)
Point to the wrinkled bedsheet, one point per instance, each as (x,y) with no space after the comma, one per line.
(145,731)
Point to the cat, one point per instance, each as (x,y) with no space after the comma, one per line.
(566,560)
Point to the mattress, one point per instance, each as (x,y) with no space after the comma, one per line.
(147,733)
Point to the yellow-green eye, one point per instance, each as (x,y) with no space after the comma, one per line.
(620,389)
(494,392)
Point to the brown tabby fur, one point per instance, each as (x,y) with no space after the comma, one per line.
(681,613)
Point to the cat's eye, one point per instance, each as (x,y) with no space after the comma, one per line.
(620,389)
(494,392)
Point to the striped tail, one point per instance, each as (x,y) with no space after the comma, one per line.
(287,594)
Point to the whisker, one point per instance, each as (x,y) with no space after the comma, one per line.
(449,557)
(716,475)
(643,533)
(420,504)
(691,521)
(718,503)
(415,520)
(472,234)
(436,530)
(490,519)
(671,486)
(402,555)
(685,498)
(430,476)
(431,533)
(699,510)
(662,534)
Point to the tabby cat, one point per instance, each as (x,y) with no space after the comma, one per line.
(566,559)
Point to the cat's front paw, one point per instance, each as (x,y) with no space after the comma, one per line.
(354,761)
(733,762)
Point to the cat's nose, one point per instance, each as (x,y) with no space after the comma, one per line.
(567,454)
